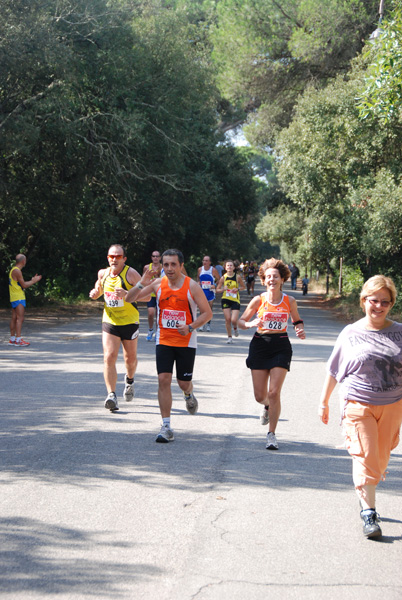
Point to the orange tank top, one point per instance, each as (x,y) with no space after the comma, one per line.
(175,307)
(275,316)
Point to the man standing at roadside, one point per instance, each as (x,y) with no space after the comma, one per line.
(156,267)
(120,323)
(177,299)
(207,277)
(17,286)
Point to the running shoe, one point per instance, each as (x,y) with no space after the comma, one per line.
(165,435)
(272,444)
(150,335)
(208,327)
(128,393)
(111,402)
(191,403)
(22,343)
(371,528)
(12,342)
(201,328)
(229,340)
(264,418)
(236,332)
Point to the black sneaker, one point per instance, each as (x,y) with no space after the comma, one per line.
(371,528)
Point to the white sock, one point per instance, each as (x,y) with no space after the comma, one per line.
(18,339)
(166,421)
(12,338)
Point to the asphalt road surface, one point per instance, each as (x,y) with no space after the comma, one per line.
(93,508)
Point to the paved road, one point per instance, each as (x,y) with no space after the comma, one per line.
(92,508)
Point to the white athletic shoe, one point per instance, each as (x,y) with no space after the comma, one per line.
(128,393)
(208,327)
(264,418)
(201,329)
(165,435)
(236,332)
(191,403)
(111,402)
(272,444)
(229,340)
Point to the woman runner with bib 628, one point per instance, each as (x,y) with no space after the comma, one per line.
(270,351)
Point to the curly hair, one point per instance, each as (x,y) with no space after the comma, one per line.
(274,263)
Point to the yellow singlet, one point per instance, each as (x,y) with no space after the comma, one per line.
(116,310)
(16,291)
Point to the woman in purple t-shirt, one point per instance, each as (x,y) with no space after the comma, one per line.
(367,362)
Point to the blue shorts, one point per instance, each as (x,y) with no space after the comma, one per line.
(17,302)
(152,302)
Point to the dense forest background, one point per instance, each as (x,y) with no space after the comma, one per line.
(114,117)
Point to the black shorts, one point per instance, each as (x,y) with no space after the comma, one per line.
(268,351)
(124,332)
(152,302)
(166,356)
(232,304)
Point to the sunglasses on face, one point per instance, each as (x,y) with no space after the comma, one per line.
(116,256)
(383,303)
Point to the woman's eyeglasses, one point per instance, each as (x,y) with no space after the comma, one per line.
(383,303)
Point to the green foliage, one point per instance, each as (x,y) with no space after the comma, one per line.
(108,130)
(352,280)
(267,53)
(382,96)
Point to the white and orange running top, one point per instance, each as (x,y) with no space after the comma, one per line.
(275,316)
(175,307)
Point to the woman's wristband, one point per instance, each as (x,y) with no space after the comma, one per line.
(139,285)
(323,406)
(297,322)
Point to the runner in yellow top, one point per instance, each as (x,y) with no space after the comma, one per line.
(120,323)
(156,267)
(17,286)
(270,351)
(178,298)
(230,284)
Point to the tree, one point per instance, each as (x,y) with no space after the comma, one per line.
(382,96)
(269,52)
(109,135)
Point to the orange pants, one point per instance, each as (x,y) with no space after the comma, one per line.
(371,433)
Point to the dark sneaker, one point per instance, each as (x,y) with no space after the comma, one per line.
(371,528)
(191,403)
(128,393)
(272,444)
(111,402)
(165,435)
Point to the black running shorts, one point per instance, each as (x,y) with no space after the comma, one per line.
(124,332)
(184,358)
(268,351)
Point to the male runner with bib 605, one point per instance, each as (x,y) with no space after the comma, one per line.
(177,299)
(120,323)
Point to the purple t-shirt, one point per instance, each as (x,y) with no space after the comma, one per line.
(368,364)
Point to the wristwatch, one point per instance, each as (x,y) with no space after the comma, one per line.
(190,329)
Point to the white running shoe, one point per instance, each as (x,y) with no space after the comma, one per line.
(201,328)
(272,444)
(264,418)
(229,340)
(165,435)
(208,327)
(150,335)
(128,393)
(236,332)
(111,402)
(191,403)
